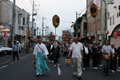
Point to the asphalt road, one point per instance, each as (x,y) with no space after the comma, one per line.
(23,70)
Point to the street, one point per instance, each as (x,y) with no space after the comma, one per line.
(23,70)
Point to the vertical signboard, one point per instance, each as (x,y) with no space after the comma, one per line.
(98,3)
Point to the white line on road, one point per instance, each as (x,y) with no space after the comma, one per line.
(24,56)
(59,71)
(6,61)
(3,66)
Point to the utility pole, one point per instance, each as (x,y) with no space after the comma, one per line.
(32,19)
(43,26)
(13,22)
(76,25)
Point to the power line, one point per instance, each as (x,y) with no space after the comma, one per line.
(60,20)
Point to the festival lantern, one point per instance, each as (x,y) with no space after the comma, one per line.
(93,10)
(56,21)
(67,62)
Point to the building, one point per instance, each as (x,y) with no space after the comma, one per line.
(35,29)
(83,28)
(96,26)
(93,23)
(114,22)
(21,23)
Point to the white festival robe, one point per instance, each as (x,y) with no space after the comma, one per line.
(42,47)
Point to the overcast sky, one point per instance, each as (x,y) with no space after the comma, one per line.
(65,9)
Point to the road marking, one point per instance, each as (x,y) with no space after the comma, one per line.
(3,66)
(25,56)
(6,61)
(12,62)
(59,71)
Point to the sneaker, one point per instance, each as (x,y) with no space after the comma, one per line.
(101,65)
(113,71)
(71,65)
(95,68)
(83,68)
(37,74)
(52,61)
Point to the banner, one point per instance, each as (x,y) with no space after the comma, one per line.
(98,3)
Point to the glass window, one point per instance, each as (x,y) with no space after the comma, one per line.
(119,13)
(110,21)
(108,15)
(113,19)
(119,7)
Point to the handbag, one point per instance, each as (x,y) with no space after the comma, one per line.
(107,57)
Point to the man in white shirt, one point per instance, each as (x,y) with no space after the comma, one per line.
(77,56)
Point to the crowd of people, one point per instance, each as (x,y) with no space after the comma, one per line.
(81,52)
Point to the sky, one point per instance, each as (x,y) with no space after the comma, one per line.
(65,9)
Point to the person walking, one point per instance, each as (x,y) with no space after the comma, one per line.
(94,55)
(77,56)
(107,52)
(99,54)
(40,54)
(15,51)
(56,54)
(86,57)
(51,57)
(113,60)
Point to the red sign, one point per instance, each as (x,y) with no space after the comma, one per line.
(115,35)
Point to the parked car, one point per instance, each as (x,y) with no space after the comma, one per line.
(6,50)
(2,51)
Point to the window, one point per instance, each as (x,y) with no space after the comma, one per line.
(19,19)
(119,7)
(119,13)
(110,21)
(108,15)
(113,19)
(23,21)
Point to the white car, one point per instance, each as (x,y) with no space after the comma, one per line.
(2,51)
(7,50)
